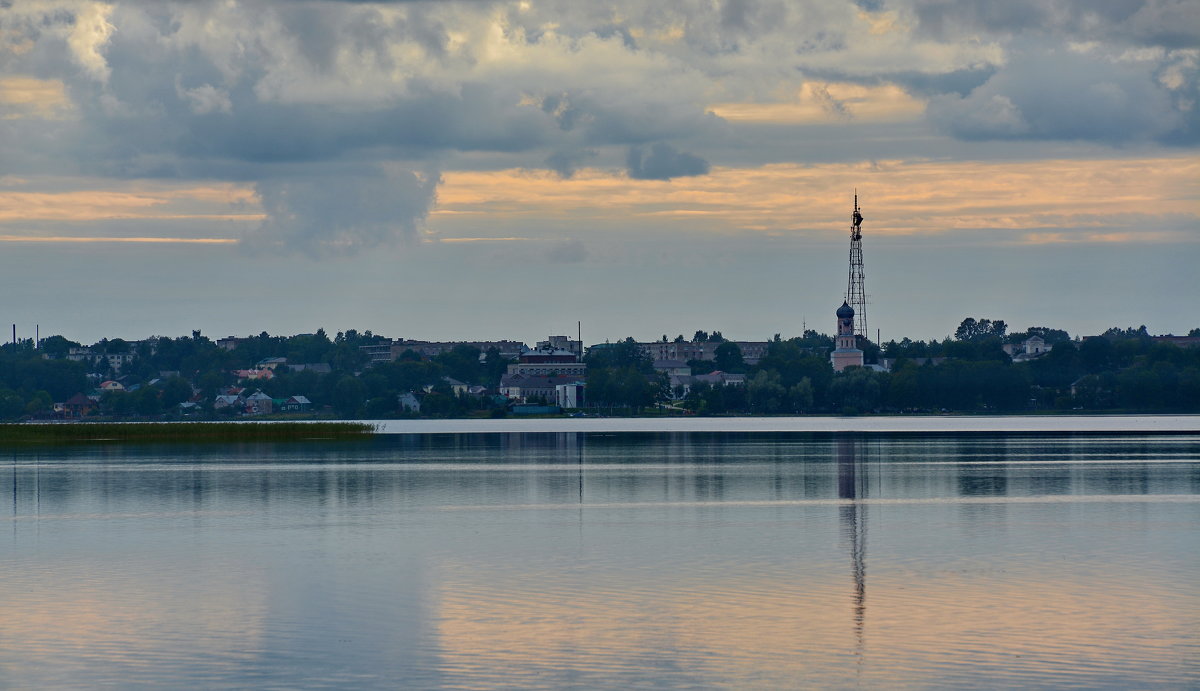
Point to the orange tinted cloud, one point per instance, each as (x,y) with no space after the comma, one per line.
(899,198)
(821,102)
(86,239)
(137,200)
(31,97)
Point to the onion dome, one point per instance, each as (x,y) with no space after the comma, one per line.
(845,311)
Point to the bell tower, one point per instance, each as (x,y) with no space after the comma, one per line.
(845,353)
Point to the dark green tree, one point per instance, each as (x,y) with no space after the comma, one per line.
(728,357)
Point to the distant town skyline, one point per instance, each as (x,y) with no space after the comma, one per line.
(462,170)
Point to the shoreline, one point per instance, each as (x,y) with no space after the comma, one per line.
(956,424)
(219,432)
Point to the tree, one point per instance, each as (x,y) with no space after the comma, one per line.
(625,386)
(626,353)
(856,390)
(57,346)
(39,402)
(972,330)
(1047,334)
(175,391)
(728,357)
(146,401)
(349,394)
(11,404)
(802,395)
(462,363)
(766,394)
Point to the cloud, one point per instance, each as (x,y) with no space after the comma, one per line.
(1165,23)
(566,162)
(31,97)
(663,163)
(206,98)
(954,200)
(831,102)
(316,97)
(342,215)
(88,37)
(1063,94)
(570,251)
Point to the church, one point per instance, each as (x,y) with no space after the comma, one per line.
(846,352)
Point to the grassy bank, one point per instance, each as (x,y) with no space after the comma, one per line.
(108,432)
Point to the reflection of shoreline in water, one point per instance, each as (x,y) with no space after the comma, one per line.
(699,560)
(593,470)
(853,485)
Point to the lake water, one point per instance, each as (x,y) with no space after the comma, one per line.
(606,560)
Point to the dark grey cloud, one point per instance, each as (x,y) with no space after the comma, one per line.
(924,84)
(663,162)
(570,251)
(334,215)
(869,5)
(1166,23)
(1065,95)
(566,161)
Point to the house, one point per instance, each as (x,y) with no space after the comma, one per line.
(409,402)
(522,387)
(317,367)
(1179,341)
(258,403)
(457,387)
(295,404)
(719,378)
(77,406)
(548,359)
(889,363)
(226,401)
(1030,348)
(116,360)
(270,363)
(569,395)
(79,354)
(562,343)
(390,351)
(229,342)
(752,351)
(252,374)
(676,367)
(111,385)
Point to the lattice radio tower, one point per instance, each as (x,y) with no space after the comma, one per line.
(856,292)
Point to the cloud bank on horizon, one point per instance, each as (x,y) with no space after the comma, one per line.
(330,128)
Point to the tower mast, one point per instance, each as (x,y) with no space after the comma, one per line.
(856,292)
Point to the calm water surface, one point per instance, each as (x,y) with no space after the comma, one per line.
(606,560)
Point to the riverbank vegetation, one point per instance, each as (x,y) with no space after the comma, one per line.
(102,432)
(981,369)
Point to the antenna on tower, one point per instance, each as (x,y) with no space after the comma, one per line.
(856,292)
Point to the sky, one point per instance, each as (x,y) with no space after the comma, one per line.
(470,169)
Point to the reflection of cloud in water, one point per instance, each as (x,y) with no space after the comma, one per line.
(112,623)
(546,624)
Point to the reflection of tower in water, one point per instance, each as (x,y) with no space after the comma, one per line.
(852,486)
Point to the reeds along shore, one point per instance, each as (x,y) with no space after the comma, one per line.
(107,432)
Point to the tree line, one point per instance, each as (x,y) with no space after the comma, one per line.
(1119,370)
